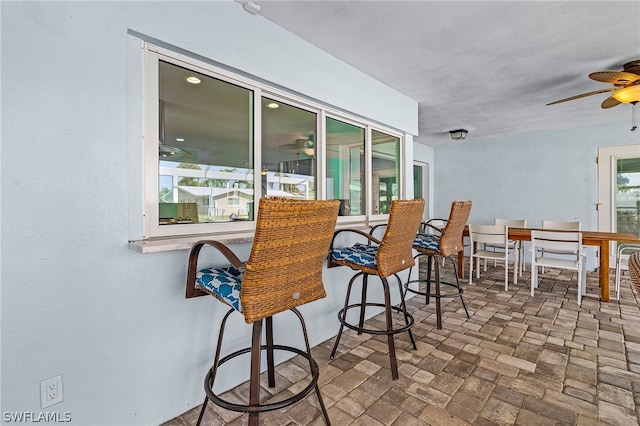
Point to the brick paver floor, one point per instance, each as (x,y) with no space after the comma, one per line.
(518,359)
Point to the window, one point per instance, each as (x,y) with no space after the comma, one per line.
(346,166)
(385,170)
(216,142)
(288,150)
(205,148)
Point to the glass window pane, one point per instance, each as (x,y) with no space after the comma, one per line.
(288,151)
(628,195)
(205,148)
(345,166)
(385,169)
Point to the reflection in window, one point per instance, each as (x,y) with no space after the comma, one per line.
(345,166)
(205,148)
(288,151)
(385,169)
(627,201)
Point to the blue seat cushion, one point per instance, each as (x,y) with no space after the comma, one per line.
(359,254)
(224,283)
(427,242)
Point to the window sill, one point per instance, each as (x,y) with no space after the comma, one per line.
(160,244)
(184,242)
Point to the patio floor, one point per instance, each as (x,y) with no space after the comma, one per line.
(518,359)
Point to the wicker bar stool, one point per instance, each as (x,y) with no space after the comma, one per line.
(284,271)
(441,246)
(381,258)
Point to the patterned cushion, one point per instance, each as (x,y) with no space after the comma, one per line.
(224,283)
(427,242)
(358,254)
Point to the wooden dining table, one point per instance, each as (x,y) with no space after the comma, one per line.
(589,238)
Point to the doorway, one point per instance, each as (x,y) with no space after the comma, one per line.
(421,184)
(619,190)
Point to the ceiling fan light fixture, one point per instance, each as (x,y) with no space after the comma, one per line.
(628,95)
(166,151)
(459,134)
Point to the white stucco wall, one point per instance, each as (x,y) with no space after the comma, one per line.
(533,177)
(75,299)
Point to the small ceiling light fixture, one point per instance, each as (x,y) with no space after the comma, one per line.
(194,80)
(251,7)
(166,151)
(459,134)
(272,105)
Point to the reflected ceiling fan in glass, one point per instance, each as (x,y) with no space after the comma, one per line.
(302,145)
(167,151)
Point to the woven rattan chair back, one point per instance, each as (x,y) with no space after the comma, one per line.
(634,269)
(395,253)
(291,242)
(451,240)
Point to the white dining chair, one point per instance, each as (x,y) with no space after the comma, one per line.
(512,244)
(560,225)
(622,261)
(546,249)
(493,235)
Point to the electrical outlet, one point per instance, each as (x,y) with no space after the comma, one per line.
(51,391)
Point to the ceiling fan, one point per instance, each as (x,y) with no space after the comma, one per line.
(304,145)
(626,86)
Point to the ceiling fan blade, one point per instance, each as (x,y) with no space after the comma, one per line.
(584,95)
(619,78)
(610,102)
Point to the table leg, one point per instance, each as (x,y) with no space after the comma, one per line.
(461,264)
(604,270)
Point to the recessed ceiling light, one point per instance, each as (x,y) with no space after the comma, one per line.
(180,139)
(193,80)
(272,105)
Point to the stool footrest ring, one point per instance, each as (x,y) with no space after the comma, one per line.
(407,327)
(441,295)
(245,408)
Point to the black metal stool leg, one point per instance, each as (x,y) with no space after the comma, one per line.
(214,367)
(389,330)
(202,410)
(270,364)
(428,285)
(254,380)
(437,295)
(390,340)
(314,368)
(342,315)
(455,271)
(403,306)
(363,302)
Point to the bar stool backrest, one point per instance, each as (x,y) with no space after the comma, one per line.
(291,242)
(396,250)
(451,240)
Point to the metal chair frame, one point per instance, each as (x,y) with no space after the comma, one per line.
(450,244)
(284,270)
(393,255)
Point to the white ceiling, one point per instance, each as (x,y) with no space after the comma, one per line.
(486,66)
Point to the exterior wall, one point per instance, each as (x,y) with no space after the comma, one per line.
(536,176)
(75,299)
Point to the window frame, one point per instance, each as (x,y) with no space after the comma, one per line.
(152,230)
(361,218)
